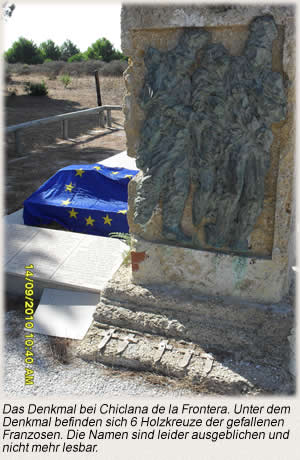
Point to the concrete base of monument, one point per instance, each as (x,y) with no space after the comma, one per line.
(211,273)
(223,346)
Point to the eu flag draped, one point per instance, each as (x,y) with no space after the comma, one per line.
(82,198)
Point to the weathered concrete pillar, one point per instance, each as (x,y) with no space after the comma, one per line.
(209,112)
(210,118)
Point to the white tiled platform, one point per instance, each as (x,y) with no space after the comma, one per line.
(121,160)
(65,259)
(15,218)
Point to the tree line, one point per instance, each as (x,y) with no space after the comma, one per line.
(27,52)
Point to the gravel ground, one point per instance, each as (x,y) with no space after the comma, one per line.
(58,372)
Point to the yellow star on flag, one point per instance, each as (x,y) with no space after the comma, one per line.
(69,187)
(122,211)
(128,175)
(89,221)
(66,202)
(97,167)
(115,172)
(79,172)
(73,213)
(107,220)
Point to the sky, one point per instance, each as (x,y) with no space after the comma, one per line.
(81,22)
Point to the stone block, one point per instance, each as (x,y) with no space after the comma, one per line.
(255,261)
(209,114)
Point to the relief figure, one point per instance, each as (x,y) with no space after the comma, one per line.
(208,118)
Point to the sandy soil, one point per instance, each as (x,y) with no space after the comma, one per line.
(43,149)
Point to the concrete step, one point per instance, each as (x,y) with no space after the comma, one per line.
(248,330)
(215,343)
(132,349)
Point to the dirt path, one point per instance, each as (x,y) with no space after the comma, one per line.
(43,150)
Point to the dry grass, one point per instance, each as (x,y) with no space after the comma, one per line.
(79,69)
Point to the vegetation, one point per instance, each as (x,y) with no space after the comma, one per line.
(113,68)
(27,52)
(66,80)
(54,69)
(126,237)
(36,89)
(79,57)
(104,50)
(68,49)
(25,57)
(50,51)
(24,51)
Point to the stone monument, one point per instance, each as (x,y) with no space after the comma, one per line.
(209,113)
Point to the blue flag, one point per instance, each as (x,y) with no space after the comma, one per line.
(82,198)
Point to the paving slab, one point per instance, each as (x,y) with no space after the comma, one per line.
(93,262)
(64,313)
(16,240)
(15,217)
(62,258)
(122,347)
(121,160)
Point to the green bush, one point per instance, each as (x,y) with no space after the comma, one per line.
(49,50)
(104,50)
(66,80)
(24,51)
(67,50)
(79,57)
(36,89)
